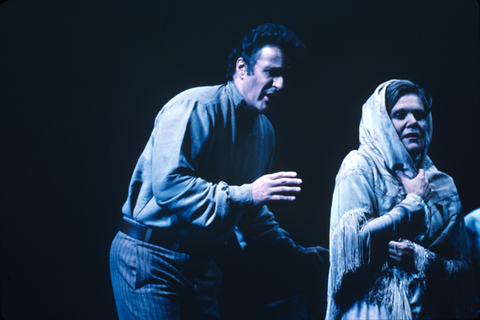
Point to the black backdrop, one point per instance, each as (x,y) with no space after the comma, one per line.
(81,82)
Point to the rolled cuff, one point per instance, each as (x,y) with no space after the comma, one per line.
(241,195)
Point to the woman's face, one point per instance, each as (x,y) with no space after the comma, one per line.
(410,121)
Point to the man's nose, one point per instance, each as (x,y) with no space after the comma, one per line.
(278,82)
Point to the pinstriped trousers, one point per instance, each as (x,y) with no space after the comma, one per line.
(151,282)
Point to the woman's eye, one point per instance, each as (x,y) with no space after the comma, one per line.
(419,115)
(398,115)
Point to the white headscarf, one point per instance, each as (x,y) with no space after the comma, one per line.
(379,134)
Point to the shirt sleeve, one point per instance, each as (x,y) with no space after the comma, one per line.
(260,226)
(182,141)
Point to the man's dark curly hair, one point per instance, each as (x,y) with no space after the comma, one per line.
(268,34)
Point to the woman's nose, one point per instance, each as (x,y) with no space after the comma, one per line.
(411,120)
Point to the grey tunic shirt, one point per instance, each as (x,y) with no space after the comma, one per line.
(193,177)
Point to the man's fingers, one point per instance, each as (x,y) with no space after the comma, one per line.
(279,197)
(289,182)
(286,182)
(280,190)
(283,174)
(285,178)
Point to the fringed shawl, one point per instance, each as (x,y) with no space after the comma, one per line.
(365,189)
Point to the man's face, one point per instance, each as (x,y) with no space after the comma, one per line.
(410,121)
(260,87)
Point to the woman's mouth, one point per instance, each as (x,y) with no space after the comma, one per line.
(411,135)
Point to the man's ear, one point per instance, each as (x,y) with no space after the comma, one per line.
(241,68)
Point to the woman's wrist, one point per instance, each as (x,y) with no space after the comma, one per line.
(419,201)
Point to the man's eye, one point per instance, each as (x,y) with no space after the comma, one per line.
(273,73)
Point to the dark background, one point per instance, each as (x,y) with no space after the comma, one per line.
(81,83)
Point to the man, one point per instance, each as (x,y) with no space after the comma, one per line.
(202,179)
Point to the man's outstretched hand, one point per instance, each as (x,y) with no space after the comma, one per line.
(279,186)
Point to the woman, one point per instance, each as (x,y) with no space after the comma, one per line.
(398,246)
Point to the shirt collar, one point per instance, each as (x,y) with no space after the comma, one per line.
(238,100)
